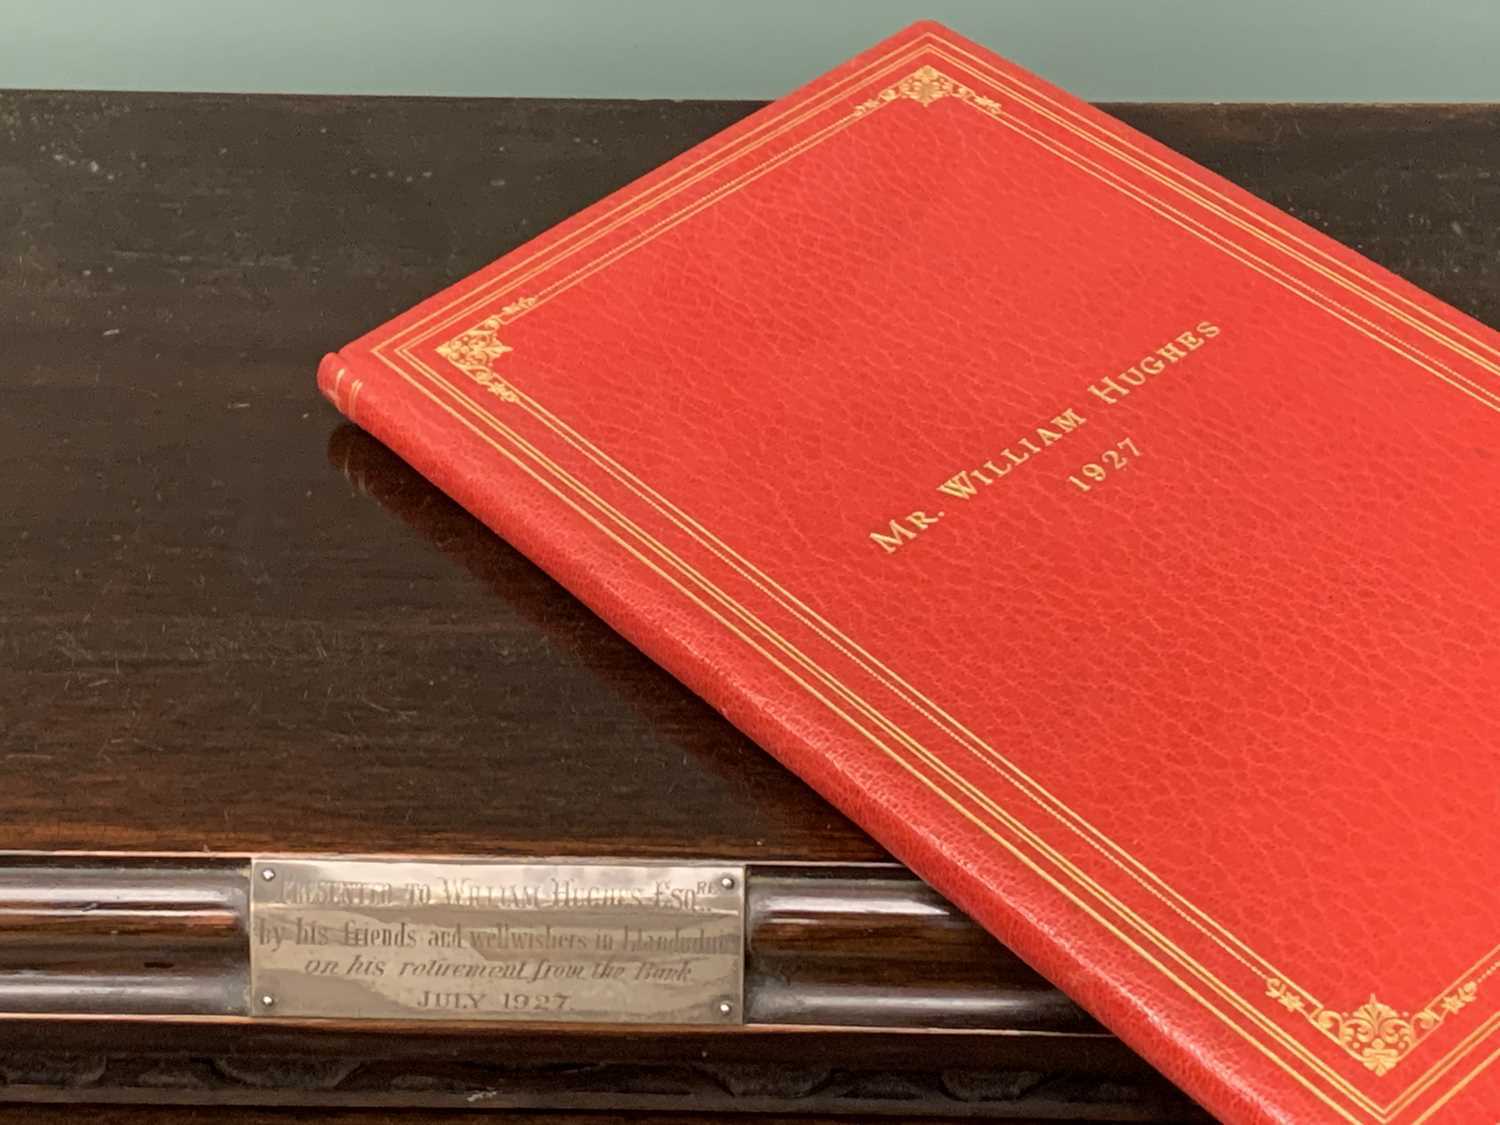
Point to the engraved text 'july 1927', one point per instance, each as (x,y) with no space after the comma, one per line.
(533,941)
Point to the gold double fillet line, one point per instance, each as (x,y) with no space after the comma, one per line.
(692,173)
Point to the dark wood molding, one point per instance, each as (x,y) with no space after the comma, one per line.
(759,1088)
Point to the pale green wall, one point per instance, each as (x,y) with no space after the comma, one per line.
(1358,50)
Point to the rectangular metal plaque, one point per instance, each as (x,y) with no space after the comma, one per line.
(533,941)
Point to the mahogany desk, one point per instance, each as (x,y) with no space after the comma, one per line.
(231,625)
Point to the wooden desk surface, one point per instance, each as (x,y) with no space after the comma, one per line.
(229,623)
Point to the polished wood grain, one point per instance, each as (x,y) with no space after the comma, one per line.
(214,640)
(868,948)
(60,906)
(866,916)
(115,937)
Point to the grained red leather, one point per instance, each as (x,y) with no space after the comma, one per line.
(1189,695)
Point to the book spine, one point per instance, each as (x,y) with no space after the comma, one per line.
(644,611)
(339,385)
(377,398)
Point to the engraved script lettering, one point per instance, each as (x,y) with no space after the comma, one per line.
(580,942)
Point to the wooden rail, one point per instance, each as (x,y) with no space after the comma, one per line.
(870,947)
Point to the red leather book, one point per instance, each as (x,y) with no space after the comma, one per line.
(1118,551)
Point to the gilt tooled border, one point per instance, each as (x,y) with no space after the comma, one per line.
(1375,1034)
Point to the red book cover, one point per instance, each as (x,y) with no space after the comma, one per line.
(1118,551)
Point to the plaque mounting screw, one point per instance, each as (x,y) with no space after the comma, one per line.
(268,1001)
(267,873)
(727,882)
(725,1007)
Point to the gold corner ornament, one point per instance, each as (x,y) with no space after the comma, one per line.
(924,86)
(1375,1033)
(474,350)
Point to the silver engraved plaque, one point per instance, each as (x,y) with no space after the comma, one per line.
(524,941)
